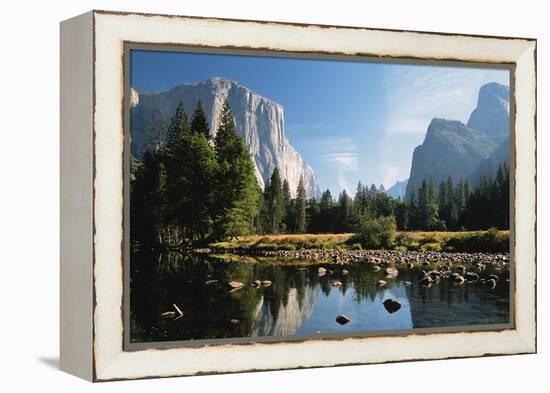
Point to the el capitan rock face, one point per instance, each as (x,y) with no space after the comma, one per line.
(465,151)
(259,121)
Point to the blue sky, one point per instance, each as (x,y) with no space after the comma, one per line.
(350,121)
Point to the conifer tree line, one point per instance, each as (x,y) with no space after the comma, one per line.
(457,205)
(189,188)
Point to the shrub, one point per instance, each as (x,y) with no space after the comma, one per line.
(376,232)
(356,246)
(413,246)
(491,240)
(287,247)
(431,247)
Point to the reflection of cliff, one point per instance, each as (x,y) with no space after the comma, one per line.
(290,316)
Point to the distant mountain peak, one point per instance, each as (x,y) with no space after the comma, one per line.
(457,149)
(492,113)
(398,190)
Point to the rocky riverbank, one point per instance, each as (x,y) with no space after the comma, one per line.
(380,257)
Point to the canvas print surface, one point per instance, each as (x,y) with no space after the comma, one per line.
(290,197)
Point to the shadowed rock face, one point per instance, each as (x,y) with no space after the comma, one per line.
(492,114)
(465,151)
(259,121)
(450,148)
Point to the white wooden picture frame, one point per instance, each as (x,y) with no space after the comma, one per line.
(93,195)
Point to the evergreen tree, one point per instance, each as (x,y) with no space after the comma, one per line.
(427,206)
(287,207)
(236,192)
(148,210)
(178,128)
(301,207)
(413,211)
(326,216)
(275,202)
(382,203)
(344,212)
(401,213)
(313,214)
(199,123)
(177,160)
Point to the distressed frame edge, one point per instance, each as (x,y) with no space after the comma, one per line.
(527,338)
(76,196)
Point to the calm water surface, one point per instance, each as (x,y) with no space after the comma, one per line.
(299,302)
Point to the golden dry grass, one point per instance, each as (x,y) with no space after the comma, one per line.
(335,240)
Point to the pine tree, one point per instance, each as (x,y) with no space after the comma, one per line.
(423,205)
(326,216)
(179,126)
(313,214)
(301,207)
(344,212)
(176,158)
(413,211)
(149,201)
(275,202)
(236,192)
(199,123)
(287,224)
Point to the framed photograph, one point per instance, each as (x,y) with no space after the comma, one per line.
(248,195)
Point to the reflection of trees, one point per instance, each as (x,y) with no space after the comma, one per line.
(207,309)
(447,304)
(158,281)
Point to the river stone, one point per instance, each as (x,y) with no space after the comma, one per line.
(336,283)
(392,305)
(266,283)
(391,271)
(235,285)
(380,283)
(376,268)
(458,279)
(344,272)
(491,283)
(342,319)
(256,284)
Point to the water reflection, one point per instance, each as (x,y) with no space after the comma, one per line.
(299,301)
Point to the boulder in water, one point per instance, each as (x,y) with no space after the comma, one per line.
(342,319)
(392,305)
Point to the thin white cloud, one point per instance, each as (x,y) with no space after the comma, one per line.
(417,94)
(339,153)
